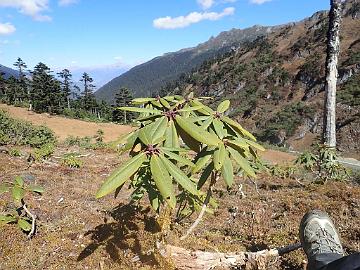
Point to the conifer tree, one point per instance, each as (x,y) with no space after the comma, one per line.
(23,89)
(12,90)
(3,95)
(66,86)
(122,99)
(89,101)
(45,92)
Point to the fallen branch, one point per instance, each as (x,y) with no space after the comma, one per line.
(184,259)
(33,221)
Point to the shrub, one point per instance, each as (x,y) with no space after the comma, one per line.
(20,215)
(17,132)
(182,148)
(72,160)
(324,164)
(15,152)
(99,137)
(44,152)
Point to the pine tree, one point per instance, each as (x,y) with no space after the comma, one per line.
(12,90)
(46,91)
(122,99)
(89,101)
(23,89)
(3,95)
(66,86)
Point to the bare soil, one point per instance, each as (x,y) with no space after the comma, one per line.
(65,127)
(76,231)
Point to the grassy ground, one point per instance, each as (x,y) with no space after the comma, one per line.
(76,231)
(65,127)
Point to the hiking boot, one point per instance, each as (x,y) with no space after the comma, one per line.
(318,235)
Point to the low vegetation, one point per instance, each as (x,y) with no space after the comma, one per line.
(17,132)
(19,213)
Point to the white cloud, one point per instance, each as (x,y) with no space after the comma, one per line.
(6,29)
(194,17)
(259,2)
(64,3)
(32,8)
(206,4)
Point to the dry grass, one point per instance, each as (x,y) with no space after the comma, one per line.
(78,232)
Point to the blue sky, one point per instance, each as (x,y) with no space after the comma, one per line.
(123,33)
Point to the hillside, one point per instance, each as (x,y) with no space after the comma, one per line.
(148,78)
(276,83)
(8,72)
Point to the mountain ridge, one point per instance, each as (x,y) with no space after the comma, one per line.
(148,78)
(276,83)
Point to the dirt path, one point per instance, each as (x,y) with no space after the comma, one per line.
(64,127)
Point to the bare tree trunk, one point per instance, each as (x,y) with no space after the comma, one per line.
(333,49)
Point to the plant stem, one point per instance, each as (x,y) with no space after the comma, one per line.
(33,224)
(214,178)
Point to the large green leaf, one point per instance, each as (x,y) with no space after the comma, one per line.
(156,103)
(179,176)
(237,126)
(24,225)
(131,141)
(19,181)
(243,163)
(140,110)
(255,145)
(207,123)
(204,110)
(18,193)
(201,162)
(188,140)
(157,129)
(190,109)
(223,106)
(144,135)
(5,219)
(219,156)
(154,198)
(239,143)
(205,175)
(172,139)
(165,103)
(162,180)
(178,158)
(197,132)
(219,128)
(37,189)
(138,101)
(149,117)
(118,178)
(228,171)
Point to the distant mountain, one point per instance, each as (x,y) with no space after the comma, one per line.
(148,78)
(276,83)
(8,72)
(101,75)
